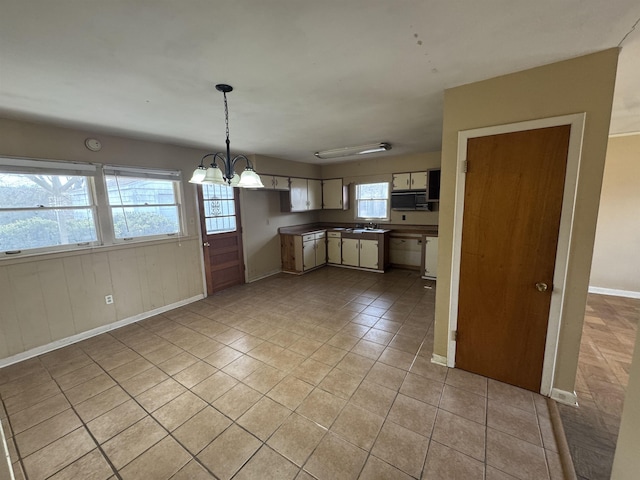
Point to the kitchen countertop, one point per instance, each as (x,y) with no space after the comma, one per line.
(311,228)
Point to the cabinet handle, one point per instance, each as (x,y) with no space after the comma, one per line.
(413,181)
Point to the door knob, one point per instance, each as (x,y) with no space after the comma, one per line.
(206,244)
(541,287)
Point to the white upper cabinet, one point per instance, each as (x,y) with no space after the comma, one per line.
(401,181)
(410,181)
(299,195)
(314,197)
(334,195)
(418,180)
(304,194)
(279,183)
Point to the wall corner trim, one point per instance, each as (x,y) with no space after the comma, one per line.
(34,352)
(439,359)
(4,452)
(614,292)
(564,397)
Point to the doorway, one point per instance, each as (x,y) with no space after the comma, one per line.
(221,236)
(511,245)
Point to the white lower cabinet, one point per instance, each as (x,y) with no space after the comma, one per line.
(351,252)
(369,254)
(334,248)
(430,268)
(314,250)
(360,253)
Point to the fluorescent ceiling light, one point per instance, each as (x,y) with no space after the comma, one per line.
(350,151)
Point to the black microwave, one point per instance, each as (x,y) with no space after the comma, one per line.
(409,200)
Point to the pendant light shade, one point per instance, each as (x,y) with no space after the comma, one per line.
(213,175)
(250,179)
(224,174)
(199,174)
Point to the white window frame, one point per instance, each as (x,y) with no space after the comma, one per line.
(49,167)
(175,176)
(357,202)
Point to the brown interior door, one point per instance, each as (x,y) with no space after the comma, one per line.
(221,236)
(513,199)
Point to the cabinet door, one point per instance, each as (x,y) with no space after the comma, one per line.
(280,183)
(369,254)
(419,181)
(299,195)
(332,194)
(351,252)
(430,257)
(321,251)
(334,250)
(401,181)
(314,194)
(308,254)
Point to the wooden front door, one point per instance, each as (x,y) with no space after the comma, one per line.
(221,236)
(513,198)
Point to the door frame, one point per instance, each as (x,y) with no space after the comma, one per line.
(577,122)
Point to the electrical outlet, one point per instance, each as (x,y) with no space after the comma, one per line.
(108,299)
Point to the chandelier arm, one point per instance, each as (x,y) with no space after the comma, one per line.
(207,155)
(241,157)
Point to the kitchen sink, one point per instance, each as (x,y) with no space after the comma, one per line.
(366,230)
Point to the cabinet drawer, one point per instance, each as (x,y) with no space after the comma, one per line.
(334,234)
(320,235)
(308,237)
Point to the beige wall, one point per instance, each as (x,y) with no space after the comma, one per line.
(616,253)
(261,216)
(626,463)
(381,170)
(49,297)
(583,84)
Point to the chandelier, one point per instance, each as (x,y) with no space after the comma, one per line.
(224,174)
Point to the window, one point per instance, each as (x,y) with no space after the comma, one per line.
(372,201)
(219,208)
(46,205)
(143,202)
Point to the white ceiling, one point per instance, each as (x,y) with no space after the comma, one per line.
(308,75)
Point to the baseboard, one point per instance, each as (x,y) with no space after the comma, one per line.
(564,397)
(34,352)
(439,359)
(561,441)
(614,292)
(264,275)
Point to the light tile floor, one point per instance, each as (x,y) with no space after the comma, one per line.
(325,376)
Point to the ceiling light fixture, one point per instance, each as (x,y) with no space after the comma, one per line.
(350,151)
(214,174)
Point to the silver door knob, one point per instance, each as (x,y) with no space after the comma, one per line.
(541,287)
(206,244)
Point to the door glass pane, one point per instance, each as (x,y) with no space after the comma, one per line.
(219,208)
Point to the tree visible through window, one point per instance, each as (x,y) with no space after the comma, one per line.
(39,211)
(372,201)
(142,207)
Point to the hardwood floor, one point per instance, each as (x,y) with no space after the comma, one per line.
(606,349)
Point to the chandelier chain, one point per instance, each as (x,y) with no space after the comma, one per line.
(226,114)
